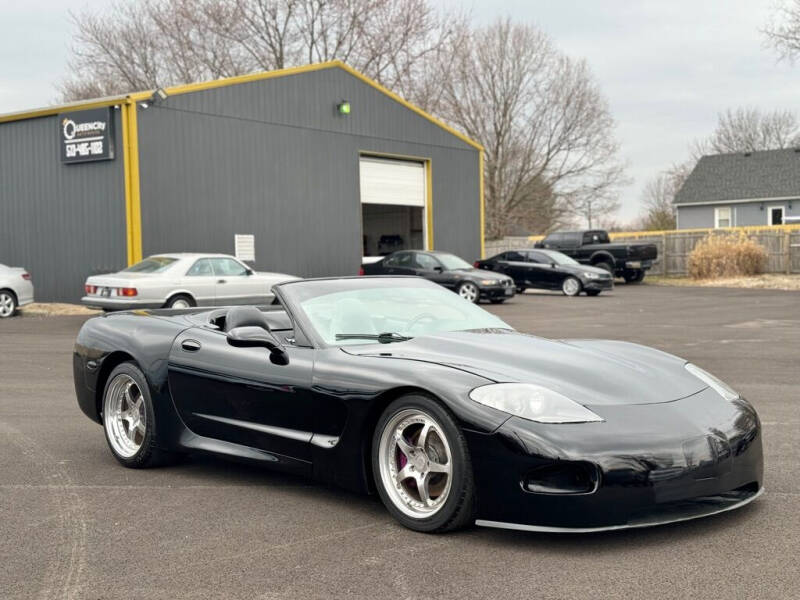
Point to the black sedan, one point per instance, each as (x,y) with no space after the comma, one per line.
(447,270)
(396,386)
(548,270)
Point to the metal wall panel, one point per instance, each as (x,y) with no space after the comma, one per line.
(274,158)
(61,222)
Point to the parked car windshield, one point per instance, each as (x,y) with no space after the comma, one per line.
(404,307)
(561,259)
(452,262)
(152,264)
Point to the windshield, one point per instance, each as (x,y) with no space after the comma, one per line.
(561,259)
(451,262)
(342,311)
(153,264)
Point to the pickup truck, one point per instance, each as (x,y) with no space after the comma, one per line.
(593,247)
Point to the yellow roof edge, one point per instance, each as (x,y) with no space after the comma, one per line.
(251,77)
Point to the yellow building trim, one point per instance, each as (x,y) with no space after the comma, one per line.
(54,110)
(133,211)
(482,201)
(429,201)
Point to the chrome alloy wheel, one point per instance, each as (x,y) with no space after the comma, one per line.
(7,305)
(180,303)
(415,463)
(571,286)
(124,416)
(468,291)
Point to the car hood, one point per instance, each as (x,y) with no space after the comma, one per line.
(590,372)
(579,269)
(483,274)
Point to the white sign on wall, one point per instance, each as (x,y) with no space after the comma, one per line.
(245,245)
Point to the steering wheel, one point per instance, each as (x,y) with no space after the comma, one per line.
(419,319)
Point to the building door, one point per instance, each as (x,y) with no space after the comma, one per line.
(393,205)
(775,215)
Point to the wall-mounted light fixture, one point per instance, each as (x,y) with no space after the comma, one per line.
(761,206)
(343,108)
(158,96)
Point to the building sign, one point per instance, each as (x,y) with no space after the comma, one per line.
(245,246)
(86,135)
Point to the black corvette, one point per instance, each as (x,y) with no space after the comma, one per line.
(447,270)
(394,385)
(548,270)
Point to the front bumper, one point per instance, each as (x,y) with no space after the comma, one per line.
(598,284)
(114,303)
(656,463)
(497,291)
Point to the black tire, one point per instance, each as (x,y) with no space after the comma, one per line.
(457,511)
(606,266)
(634,276)
(593,292)
(8,304)
(179,299)
(148,454)
(571,286)
(521,289)
(497,300)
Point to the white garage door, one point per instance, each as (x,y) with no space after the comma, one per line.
(385,181)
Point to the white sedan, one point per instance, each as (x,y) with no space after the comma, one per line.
(182,280)
(16,289)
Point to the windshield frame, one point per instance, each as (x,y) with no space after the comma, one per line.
(170,261)
(292,304)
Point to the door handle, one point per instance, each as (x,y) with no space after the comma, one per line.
(190,345)
(221,281)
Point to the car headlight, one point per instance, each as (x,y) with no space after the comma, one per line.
(719,386)
(533,402)
(590,275)
(489,282)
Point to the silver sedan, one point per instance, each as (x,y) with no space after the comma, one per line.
(182,280)
(16,289)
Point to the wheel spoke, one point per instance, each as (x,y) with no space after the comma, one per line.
(404,446)
(423,435)
(435,467)
(404,473)
(422,488)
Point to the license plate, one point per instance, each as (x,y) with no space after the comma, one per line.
(105,292)
(509,292)
(634,264)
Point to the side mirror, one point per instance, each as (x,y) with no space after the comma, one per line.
(438,269)
(258,337)
(553,265)
(249,272)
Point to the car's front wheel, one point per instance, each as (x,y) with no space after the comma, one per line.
(469,291)
(129,419)
(8,304)
(571,286)
(421,466)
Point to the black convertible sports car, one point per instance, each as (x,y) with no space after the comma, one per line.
(548,270)
(395,385)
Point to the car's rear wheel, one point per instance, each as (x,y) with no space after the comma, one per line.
(8,304)
(180,301)
(521,289)
(606,266)
(634,275)
(129,419)
(571,286)
(421,465)
(469,291)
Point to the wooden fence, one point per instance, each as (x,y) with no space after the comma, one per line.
(782,244)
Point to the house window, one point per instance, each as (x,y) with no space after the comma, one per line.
(722,217)
(775,215)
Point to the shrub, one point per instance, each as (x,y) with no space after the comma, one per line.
(726,255)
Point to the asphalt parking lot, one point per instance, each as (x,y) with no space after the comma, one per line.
(75,524)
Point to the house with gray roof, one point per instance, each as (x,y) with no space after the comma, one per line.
(746,188)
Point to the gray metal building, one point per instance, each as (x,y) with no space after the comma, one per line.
(319,163)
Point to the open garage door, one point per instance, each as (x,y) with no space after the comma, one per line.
(393,205)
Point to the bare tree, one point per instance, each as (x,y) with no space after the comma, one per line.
(156,43)
(783,30)
(749,130)
(544,124)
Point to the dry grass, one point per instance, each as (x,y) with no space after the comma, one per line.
(769,281)
(55,309)
(725,256)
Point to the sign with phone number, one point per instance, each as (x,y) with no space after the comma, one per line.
(86,135)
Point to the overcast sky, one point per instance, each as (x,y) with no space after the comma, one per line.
(667,67)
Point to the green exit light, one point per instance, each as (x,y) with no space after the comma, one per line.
(344,107)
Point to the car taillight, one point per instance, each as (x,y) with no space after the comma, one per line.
(361,271)
(476,265)
(26,276)
(126,291)
(90,289)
